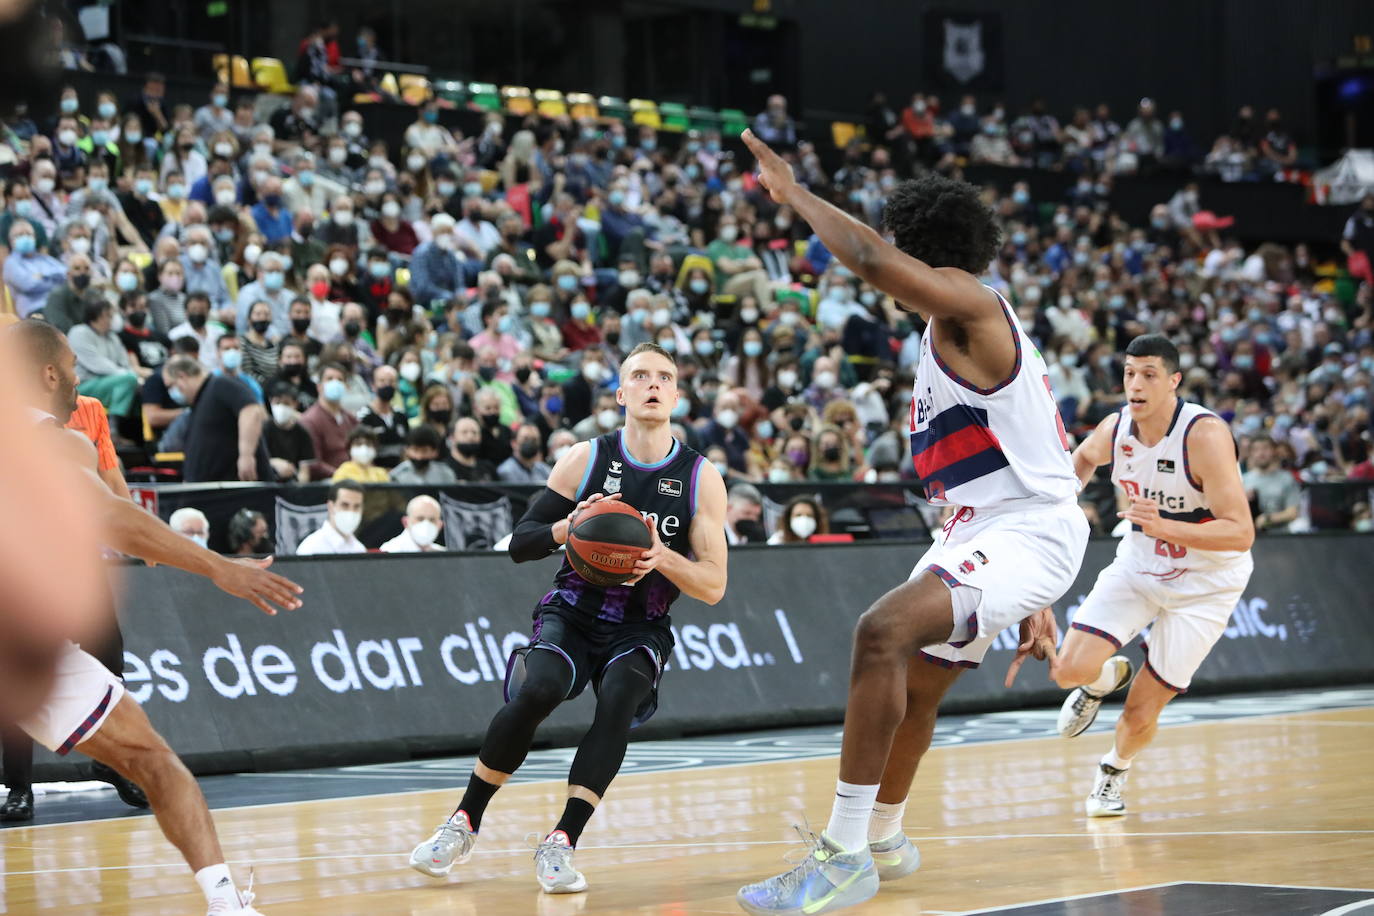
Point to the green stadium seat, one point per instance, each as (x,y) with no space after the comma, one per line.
(612,107)
(485,96)
(703,119)
(674,115)
(734,121)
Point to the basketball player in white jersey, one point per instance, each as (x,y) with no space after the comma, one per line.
(1180,569)
(986,437)
(87,707)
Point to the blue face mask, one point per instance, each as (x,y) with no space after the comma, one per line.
(23,208)
(107,110)
(704,347)
(567,282)
(753,347)
(24,244)
(177,396)
(143,186)
(69,106)
(616,198)
(432,116)
(553,404)
(219,99)
(231,360)
(97,184)
(539,309)
(581,310)
(472,188)
(273,280)
(306,179)
(1244,361)
(507,324)
(682,407)
(648,144)
(617,140)
(333,391)
(668,344)
(379,269)
(100,138)
(700,286)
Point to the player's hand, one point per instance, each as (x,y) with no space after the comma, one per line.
(1039,636)
(249,579)
(562,527)
(648,561)
(774,173)
(1145,513)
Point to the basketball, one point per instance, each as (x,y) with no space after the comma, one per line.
(606,540)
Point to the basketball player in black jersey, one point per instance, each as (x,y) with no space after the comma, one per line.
(616,639)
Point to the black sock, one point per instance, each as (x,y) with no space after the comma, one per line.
(574,820)
(476,799)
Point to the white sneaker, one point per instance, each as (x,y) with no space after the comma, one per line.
(1081,705)
(451,844)
(245,908)
(553,866)
(1105,800)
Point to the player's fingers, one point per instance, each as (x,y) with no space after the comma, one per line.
(263,606)
(1015,666)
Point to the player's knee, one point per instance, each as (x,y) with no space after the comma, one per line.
(1137,720)
(541,694)
(150,764)
(877,632)
(1071,673)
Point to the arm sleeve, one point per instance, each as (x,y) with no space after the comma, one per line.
(533,535)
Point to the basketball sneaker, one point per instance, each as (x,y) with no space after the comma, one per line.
(553,866)
(895,857)
(828,879)
(450,845)
(1081,705)
(1105,800)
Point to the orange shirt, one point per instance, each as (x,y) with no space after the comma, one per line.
(89,419)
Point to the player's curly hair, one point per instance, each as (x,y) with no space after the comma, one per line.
(942,222)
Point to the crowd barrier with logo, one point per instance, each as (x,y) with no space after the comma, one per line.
(393,656)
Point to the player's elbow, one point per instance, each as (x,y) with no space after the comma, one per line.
(713,593)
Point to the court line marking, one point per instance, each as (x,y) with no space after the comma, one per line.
(800,758)
(1148,887)
(524,850)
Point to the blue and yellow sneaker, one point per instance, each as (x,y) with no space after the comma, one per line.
(896,857)
(828,879)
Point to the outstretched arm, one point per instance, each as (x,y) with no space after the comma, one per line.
(943,292)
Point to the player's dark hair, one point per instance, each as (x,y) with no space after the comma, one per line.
(942,222)
(1155,345)
(340,485)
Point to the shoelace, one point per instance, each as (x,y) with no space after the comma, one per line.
(804,859)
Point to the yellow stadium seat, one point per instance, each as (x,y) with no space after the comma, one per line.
(690,263)
(403,277)
(517,100)
(415,89)
(220,64)
(842,132)
(270,74)
(242,76)
(550,103)
(643,111)
(582,105)
(388,84)
(141,259)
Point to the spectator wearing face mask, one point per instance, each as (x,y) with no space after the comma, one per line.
(362,455)
(580,331)
(526,463)
(465,458)
(289,446)
(801,518)
(102,363)
(293,367)
(423,465)
(259,344)
(29,274)
(249,534)
(343,228)
(825,382)
(1273,492)
(191,523)
(545,336)
(496,435)
(224,438)
(146,347)
(66,305)
(203,273)
(390,425)
(604,417)
(344,509)
(435,270)
(422,524)
(743,511)
(328,423)
(839,304)
(831,461)
(724,430)
(230,364)
(270,288)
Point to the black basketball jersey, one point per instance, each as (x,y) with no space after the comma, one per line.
(666,492)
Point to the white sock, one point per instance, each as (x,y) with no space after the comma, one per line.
(886,821)
(848,826)
(1105,681)
(1113,759)
(218,887)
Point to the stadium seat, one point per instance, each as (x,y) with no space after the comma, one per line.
(703,119)
(415,89)
(485,96)
(692,261)
(389,85)
(733,121)
(674,115)
(240,76)
(517,100)
(455,91)
(582,105)
(612,107)
(270,74)
(842,132)
(643,111)
(402,277)
(550,103)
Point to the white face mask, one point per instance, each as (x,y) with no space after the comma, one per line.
(629,278)
(727,418)
(353,128)
(66,137)
(787,378)
(722,467)
(779,475)
(198,253)
(749,316)
(251,254)
(391,209)
(592,372)
(363,454)
(410,371)
(200,539)
(343,217)
(415,163)
(347,522)
(607,419)
(825,380)
(374,188)
(224,150)
(662,317)
(803,526)
(283,414)
(338,267)
(423,532)
(225,197)
(81,245)
(789,318)
(337,155)
(44,185)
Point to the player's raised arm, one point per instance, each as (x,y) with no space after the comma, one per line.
(704,576)
(1211,454)
(1096,450)
(942,292)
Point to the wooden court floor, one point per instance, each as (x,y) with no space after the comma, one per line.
(1285,799)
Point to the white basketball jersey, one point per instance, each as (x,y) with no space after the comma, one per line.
(985,447)
(1161,472)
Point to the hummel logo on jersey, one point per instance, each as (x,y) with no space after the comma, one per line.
(1165,466)
(669,487)
(615,467)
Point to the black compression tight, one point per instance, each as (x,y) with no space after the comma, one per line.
(511,732)
(624,686)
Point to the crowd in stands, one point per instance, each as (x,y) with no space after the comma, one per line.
(1091,143)
(289,299)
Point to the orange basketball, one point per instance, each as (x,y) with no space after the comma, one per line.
(606,540)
